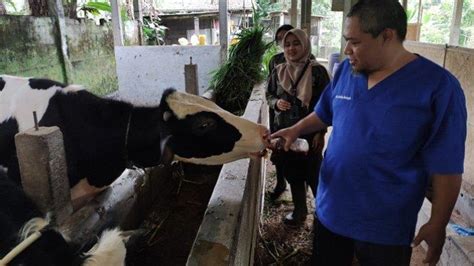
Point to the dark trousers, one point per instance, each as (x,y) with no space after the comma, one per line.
(332,249)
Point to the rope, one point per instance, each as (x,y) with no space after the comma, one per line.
(128,164)
(20,247)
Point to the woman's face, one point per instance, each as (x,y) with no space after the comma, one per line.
(293,48)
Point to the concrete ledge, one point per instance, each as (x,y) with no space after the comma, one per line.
(227,235)
(457,250)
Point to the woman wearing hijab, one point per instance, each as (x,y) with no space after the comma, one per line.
(293,90)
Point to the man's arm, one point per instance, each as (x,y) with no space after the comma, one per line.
(445,193)
(309,124)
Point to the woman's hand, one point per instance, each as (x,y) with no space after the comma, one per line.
(283,105)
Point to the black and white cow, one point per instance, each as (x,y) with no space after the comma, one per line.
(102,135)
(19,218)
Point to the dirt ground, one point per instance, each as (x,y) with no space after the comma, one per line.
(281,245)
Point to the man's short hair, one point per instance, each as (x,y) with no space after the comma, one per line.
(284,27)
(378,15)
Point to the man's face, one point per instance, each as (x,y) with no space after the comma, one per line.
(293,48)
(365,52)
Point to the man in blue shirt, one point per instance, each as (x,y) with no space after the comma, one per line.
(399,122)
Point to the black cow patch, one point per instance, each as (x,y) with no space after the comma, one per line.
(8,129)
(208,134)
(2,84)
(44,84)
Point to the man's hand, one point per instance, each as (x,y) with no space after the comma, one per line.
(288,134)
(434,236)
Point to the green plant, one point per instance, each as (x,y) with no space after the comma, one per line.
(233,81)
(12,4)
(267,56)
(94,8)
(410,14)
(154,32)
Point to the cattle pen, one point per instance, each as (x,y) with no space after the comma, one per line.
(227,233)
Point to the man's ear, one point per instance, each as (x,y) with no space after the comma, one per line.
(388,34)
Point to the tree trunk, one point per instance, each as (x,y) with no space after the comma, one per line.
(70,9)
(39,8)
(3,10)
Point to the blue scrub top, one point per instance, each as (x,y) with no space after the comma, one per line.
(385,143)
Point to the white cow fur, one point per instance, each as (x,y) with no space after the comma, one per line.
(18,100)
(109,251)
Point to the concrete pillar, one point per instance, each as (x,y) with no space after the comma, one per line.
(294,13)
(42,161)
(137,12)
(191,78)
(347,7)
(196,26)
(223,29)
(456,23)
(306,16)
(56,10)
(116,23)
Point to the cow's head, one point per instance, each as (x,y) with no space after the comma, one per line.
(196,130)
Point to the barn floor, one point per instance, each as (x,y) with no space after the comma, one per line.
(174,220)
(281,245)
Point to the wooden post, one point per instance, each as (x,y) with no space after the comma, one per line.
(223,29)
(117,23)
(43,170)
(191,77)
(456,23)
(294,13)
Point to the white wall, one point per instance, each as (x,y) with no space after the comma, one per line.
(144,72)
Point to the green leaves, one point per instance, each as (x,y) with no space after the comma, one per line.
(234,80)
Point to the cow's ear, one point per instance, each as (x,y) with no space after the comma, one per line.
(167,153)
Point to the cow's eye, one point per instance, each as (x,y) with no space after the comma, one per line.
(203,125)
(166,116)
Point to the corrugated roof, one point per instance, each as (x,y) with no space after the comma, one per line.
(201,5)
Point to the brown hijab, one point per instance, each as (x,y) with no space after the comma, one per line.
(289,71)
